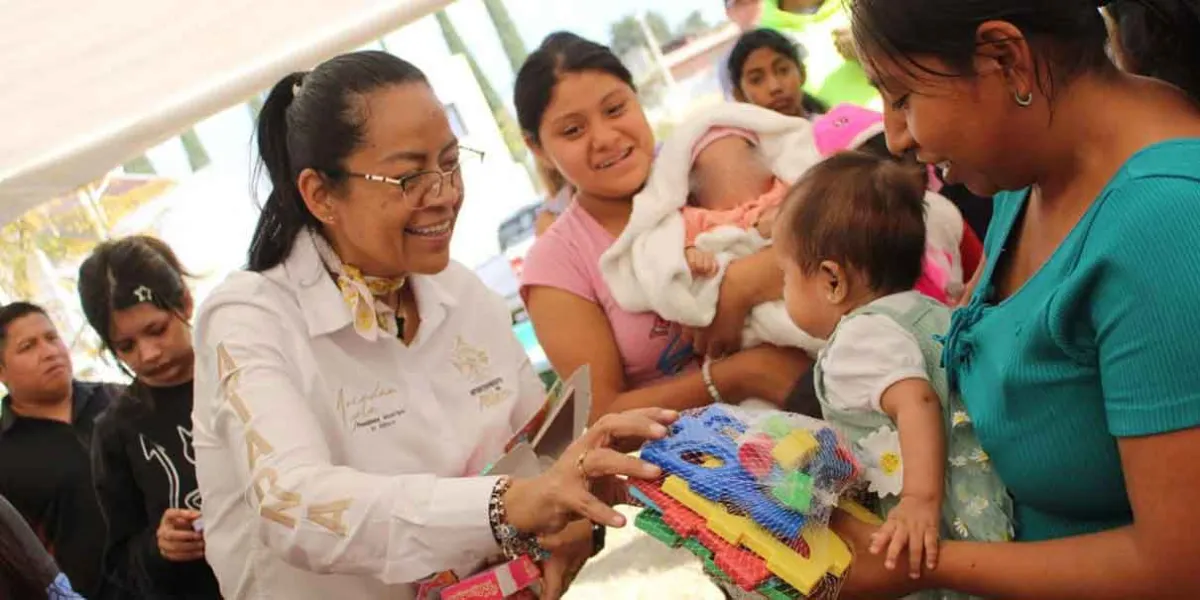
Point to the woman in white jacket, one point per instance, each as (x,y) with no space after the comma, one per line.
(353,382)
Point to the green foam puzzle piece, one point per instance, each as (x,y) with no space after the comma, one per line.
(794,491)
(775,594)
(710,567)
(777,589)
(651,522)
(706,558)
(695,547)
(777,427)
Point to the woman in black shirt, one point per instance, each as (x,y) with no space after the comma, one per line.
(134,296)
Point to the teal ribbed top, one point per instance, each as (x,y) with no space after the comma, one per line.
(1102,342)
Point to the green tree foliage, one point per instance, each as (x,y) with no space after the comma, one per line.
(510,38)
(694,24)
(626,34)
(254,105)
(140,166)
(197,157)
(508,125)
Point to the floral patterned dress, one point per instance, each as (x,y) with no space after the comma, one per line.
(976,506)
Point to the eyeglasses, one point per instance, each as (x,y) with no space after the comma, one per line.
(422,186)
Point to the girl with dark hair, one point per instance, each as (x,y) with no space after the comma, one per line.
(822,27)
(134,296)
(578,108)
(1159,39)
(767,69)
(352,385)
(1074,354)
(26,569)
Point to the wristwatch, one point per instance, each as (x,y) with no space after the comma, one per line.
(598,533)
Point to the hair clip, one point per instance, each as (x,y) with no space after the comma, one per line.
(297,86)
(144,294)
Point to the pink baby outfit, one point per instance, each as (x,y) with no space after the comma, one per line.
(697,220)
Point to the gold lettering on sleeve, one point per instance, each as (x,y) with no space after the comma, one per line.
(275,502)
(225,363)
(330,515)
(239,406)
(256,446)
(284,500)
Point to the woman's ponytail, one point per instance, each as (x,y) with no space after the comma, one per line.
(308,122)
(283,214)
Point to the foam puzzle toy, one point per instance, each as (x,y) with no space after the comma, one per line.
(750,494)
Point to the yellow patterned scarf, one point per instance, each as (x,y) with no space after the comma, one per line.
(362,295)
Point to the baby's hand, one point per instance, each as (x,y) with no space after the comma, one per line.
(701,263)
(766,223)
(913,523)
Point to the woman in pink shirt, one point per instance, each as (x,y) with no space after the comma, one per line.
(579,111)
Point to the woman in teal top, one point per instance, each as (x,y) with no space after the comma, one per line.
(1077,354)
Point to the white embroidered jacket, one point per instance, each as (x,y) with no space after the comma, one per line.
(336,467)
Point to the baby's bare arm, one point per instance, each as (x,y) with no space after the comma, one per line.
(916,410)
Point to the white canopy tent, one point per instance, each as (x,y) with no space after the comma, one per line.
(89,85)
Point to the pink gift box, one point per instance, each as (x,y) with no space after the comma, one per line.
(504,581)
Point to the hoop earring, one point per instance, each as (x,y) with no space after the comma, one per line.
(1023,101)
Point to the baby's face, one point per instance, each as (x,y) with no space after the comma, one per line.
(727,149)
(727,173)
(811,299)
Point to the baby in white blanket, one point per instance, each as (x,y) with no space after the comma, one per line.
(646,268)
(729,186)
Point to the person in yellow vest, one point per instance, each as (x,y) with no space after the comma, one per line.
(822,27)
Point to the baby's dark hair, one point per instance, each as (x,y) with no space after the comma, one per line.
(861,211)
(877,145)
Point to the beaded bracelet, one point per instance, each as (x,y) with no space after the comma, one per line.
(512,542)
(706,373)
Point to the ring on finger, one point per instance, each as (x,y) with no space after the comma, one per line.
(579,464)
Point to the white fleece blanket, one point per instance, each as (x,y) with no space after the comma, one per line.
(646,270)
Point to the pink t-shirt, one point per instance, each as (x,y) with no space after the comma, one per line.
(567,257)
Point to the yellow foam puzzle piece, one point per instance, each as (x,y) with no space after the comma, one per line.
(795,450)
(859,512)
(678,489)
(801,573)
(825,547)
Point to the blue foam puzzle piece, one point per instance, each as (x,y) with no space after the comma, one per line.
(709,433)
(706,481)
(718,420)
(828,439)
(770,514)
(644,500)
(832,468)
